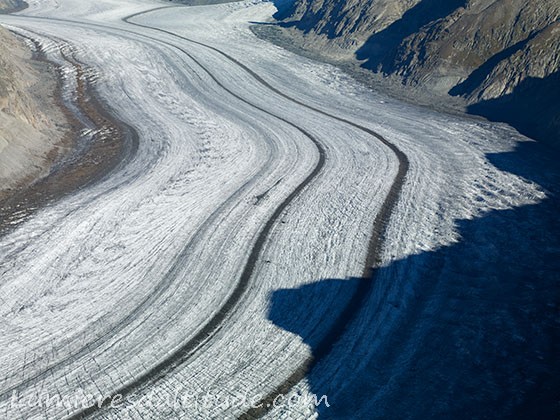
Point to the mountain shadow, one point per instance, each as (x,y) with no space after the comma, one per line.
(381,48)
(533,108)
(470,330)
(284,9)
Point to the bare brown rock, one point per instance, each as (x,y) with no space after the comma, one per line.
(32,126)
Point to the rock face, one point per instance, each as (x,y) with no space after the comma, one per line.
(28,134)
(9,6)
(487,51)
(347,23)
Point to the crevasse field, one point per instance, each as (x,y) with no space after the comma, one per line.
(215,259)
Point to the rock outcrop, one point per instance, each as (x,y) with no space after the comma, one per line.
(486,51)
(347,24)
(10,6)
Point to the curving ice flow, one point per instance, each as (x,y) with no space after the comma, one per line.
(106,284)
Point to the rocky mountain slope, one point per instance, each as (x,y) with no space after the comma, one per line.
(31,125)
(488,51)
(348,24)
(10,6)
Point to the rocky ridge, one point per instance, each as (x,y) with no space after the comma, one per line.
(489,52)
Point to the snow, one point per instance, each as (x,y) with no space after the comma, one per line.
(101,286)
